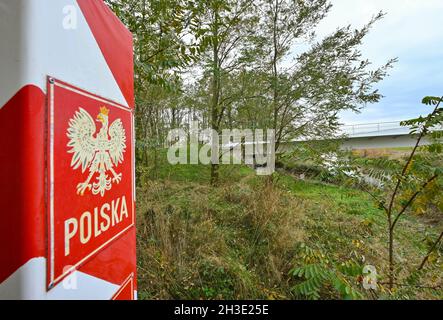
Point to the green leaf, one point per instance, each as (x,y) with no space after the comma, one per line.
(429,100)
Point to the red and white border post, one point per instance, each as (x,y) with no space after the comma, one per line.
(67,177)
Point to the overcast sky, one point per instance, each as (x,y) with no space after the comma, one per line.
(412,30)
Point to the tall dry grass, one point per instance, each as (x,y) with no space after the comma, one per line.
(235,241)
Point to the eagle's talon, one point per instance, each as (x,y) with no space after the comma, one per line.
(117,178)
(82,187)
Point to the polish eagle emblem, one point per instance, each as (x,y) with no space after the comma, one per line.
(98,152)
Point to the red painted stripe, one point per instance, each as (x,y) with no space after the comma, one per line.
(22,183)
(115,262)
(115,42)
(126,291)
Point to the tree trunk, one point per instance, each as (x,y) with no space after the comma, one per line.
(215,93)
(391,258)
(275,95)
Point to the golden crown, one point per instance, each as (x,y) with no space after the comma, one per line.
(104,111)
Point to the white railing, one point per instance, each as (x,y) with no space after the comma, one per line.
(375,129)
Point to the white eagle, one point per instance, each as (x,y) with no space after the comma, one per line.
(97,152)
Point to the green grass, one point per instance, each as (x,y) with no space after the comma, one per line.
(162,170)
(240,239)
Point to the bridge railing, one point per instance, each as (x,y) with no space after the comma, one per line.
(375,129)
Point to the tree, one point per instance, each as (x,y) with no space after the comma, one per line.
(417,177)
(244,50)
(163,48)
(225,26)
(303,97)
(414,184)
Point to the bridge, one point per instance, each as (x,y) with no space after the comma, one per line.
(372,136)
(379,135)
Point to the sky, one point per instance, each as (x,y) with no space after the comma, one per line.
(412,31)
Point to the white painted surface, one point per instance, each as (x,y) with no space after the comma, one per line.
(29,283)
(35,44)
